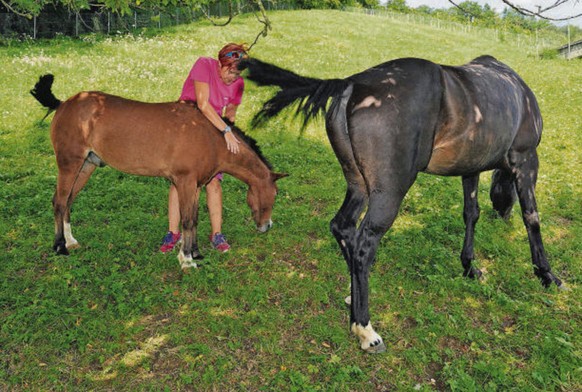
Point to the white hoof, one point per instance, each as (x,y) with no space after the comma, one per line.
(70,241)
(370,341)
(72,244)
(186,262)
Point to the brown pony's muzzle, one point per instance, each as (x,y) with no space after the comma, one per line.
(265,226)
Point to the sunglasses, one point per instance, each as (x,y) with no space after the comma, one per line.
(236,55)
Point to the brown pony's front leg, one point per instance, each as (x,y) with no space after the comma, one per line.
(188,193)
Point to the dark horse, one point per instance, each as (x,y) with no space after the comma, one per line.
(172,140)
(406,116)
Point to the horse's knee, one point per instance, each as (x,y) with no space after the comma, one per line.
(531,219)
(471,215)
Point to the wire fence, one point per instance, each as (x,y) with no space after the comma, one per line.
(522,40)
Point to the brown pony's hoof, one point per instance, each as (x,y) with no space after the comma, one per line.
(74,245)
(61,250)
(187,266)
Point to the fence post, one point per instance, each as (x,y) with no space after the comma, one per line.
(76,24)
(34,28)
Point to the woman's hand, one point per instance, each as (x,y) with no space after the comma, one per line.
(231,142)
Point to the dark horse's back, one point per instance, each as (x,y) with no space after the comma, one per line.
(446,115)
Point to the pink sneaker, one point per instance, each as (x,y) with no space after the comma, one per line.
(219,242)
(170,241)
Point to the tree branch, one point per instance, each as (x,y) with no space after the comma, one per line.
(539,13)
(528,12)
(462,9)
(265,21)
(11,9)
(230,16)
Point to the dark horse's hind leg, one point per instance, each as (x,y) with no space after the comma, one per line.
(470,216)
(526,170)
(343,225)
(502,192)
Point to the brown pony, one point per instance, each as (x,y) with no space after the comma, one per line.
(172,140)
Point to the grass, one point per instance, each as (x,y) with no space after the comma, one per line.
(118,315)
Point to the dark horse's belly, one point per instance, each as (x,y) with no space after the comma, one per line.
(481,115)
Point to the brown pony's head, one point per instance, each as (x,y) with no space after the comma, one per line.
(261,199)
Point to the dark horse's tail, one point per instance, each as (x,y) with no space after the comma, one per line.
(43,94)
(312,94)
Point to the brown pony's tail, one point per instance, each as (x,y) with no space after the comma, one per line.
(43,94)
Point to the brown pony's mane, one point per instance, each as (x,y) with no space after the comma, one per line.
(247,139)
(252,143)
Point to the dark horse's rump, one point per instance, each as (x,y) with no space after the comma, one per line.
(390,122)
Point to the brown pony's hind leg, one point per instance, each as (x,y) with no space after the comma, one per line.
(82,178)
(188,194)
(68,173)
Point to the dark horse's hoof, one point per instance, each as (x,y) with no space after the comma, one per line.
(197,256)
(547,278)
(473,273)
(377,349)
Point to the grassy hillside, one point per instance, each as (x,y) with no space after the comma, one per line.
(269,315)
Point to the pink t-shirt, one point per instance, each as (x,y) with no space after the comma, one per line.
(207,70)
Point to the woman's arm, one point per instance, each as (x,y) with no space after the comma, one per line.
(230,112)
(202,95)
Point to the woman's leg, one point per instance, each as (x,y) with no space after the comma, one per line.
(173,210)
(214,202)
(173,235)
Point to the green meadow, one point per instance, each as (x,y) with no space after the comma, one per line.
(270,315)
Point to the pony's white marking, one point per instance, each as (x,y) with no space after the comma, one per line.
(369,339)
(343,242)
(70,241)
(478,115)
(391,81)
(186,262)
(367,102)
(473,194)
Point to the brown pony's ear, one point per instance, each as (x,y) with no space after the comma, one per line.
(278,176)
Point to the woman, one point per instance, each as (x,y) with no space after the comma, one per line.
(217,89)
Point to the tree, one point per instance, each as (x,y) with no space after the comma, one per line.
(397,5)
(543,12)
